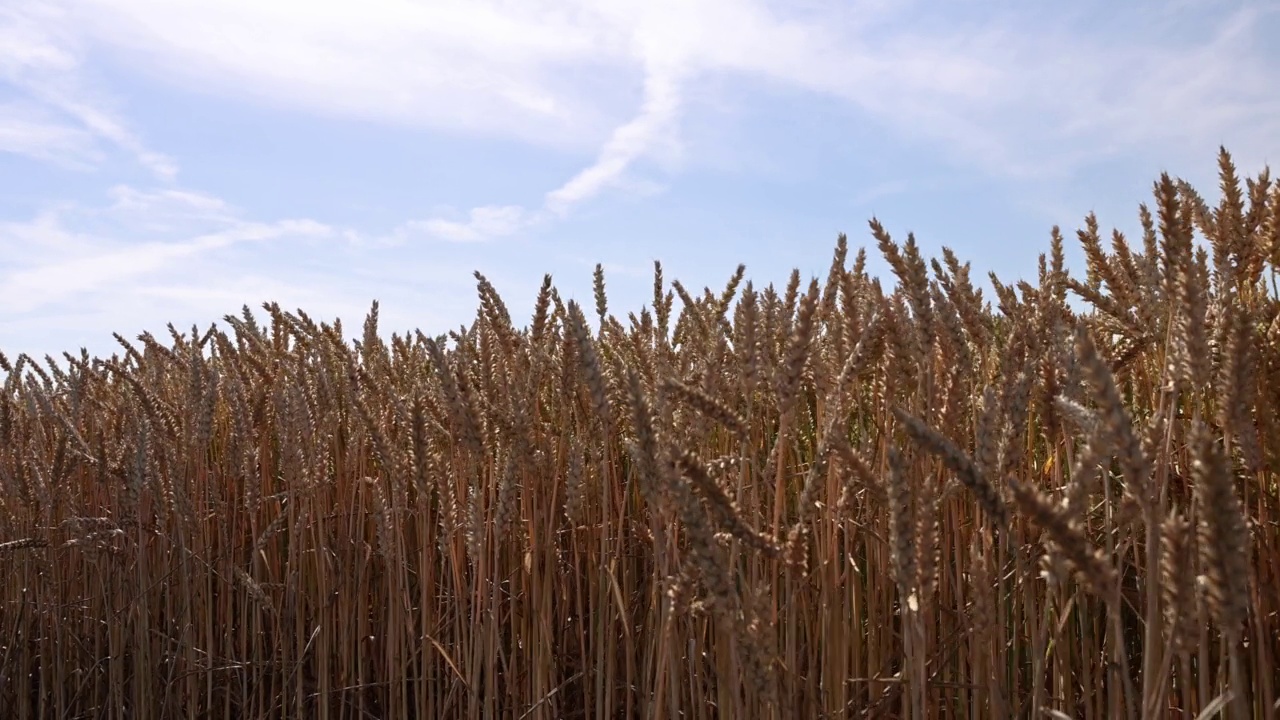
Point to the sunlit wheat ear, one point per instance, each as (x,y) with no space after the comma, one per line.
(1095,570)
(969,474)
(798,348)
(902,528)
(707,405)
(22,544)
(987,437)
(593,372)
(602,302)
(1237,387)
(1177,581)
(507,508)
(913,276)
(1116,422)
(650,467)
(1222,534)
(724,510)
(460,410)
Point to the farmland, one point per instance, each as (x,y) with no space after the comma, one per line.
(849,497)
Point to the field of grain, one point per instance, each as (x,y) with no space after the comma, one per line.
(836,500)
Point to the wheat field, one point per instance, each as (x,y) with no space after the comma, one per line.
(834,500)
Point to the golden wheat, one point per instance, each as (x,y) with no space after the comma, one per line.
(835,500)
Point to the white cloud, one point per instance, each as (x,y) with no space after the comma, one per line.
(29,129)
(32,41)
(483,223)
(880,190)
(33,288)
(1017,91)
(59,118)
(478,67)
(144,257)
(629,142)
(159,209)
(83,110)
(58,263)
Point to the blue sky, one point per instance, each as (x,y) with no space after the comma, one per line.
(168,161)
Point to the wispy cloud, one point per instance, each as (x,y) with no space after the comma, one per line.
(629,142)
(1019,93)
(143,257)
(483,223)
(28,129)
(59,117)
(474,67)
(61,263)
(880,190)
(160,208)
